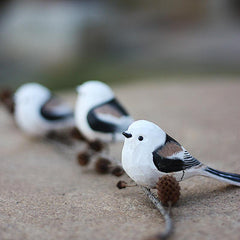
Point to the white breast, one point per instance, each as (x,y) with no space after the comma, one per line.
(29,120)
(83,106)
(139,165)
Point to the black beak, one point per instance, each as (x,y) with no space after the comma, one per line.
(127,135)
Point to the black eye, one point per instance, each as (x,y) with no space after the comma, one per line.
(140,138)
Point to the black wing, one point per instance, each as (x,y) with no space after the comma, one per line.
(109,117)
(55,109)
(172,157)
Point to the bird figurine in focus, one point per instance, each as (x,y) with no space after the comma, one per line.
(38,112)
(149,153)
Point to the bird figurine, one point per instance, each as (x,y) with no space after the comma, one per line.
(149,153)
(38,111)
(98,114)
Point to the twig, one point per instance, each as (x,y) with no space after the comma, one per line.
(123,184)
(165,214)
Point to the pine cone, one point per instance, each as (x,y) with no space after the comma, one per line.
(121,184)
(10,105)
(75,133)
(5,94)
(117,171)
(6,97)
(102,165)
(83,158)
(168,190)
(97,145)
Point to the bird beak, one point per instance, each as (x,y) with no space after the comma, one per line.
(127,135)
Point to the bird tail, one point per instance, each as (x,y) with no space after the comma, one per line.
(231,178)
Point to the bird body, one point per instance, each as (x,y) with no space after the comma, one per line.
(38,112)
(149,153)
(98,114)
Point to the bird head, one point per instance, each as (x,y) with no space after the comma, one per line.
(96,90)
(144,134)
(31,94)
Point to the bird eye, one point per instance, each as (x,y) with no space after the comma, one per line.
(140,138)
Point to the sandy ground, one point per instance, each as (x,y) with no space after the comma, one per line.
(46,195)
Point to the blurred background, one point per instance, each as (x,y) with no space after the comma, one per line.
(63,43)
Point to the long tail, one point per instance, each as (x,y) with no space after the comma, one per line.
(231,178)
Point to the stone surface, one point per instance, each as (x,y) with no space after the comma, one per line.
(45,194)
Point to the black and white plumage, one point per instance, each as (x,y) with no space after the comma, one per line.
(98,114)
(149,153)
(165,152)
(38,111)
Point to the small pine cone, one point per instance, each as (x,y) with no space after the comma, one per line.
(168,190)
(10,105)
(121,184)
(6,97)
(117,171)
(97,145)
(102,165)
(83,158)
(75,133)
(5,94)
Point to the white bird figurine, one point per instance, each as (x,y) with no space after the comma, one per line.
(149,153)
(38,112)
(98,114)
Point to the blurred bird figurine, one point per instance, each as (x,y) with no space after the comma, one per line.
(149,153)
(101,119)
(99,115)
(38,112)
